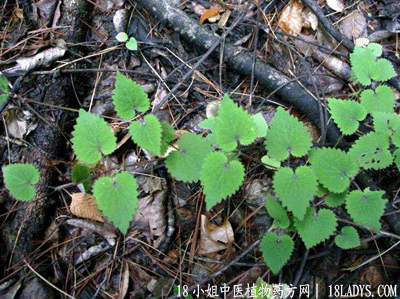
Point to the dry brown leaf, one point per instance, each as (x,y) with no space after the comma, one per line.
(124,284)
(290,18)
(336,5)
(209,13)
(214,238)
(19,122)
(84,205)
(354,25)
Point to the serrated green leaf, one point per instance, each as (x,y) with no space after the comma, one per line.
(122,37)
(147,133)
(372,151)
(335,199)
(287,135)
(380,100)
(208,124)
(295,189)
(362,64)
(383,70)
(270,163)
(185,163)
(347,238)
(131,44)
(167,136)
(388,124)
(276,211)
(233,125)
(334,168)
(366,207)
(117,198)
(4,84)
(314,229)
(92,137)
(220,177)
(346,114)
(128,96)
(276,250)
(261,124)
(20,179)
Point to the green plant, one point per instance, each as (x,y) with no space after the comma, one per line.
(330,171)
(4,88)
(130,42)
(213,159)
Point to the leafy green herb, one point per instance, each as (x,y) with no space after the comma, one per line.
(147,133)
(276,250)
(128,97)
(20,180)
(117,198)
(233,125)
(295,189)
(316,227)
(347,238)
(287,136)
(220,177)
(92,137)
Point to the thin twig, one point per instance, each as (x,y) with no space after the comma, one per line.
(204,57)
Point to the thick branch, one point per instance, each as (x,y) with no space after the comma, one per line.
(238,60)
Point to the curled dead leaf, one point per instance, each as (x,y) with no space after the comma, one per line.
(84,205)
(214,238)
(210,13)
(290,20)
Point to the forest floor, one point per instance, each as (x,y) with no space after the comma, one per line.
(61,56)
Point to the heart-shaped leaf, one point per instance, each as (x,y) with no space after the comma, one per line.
(295,189)
(128,97)
(347,238)
(147,133)
(117,198)
(333,168)
(184,164)
(233,125)
(92,137)
(20,180)
(366,207)
(131,44)
(287,136)
(220,177)
(314,229)
(276,250)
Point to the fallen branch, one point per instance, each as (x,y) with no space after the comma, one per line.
(239,61)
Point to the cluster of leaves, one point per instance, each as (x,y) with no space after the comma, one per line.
(213,159)
(330,171)
(130,42)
